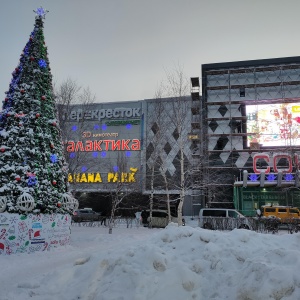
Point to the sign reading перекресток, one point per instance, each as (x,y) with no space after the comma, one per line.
(99,114)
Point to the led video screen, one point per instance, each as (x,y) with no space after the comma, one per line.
(273,124)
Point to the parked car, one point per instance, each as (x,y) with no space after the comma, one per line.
(284,213)
(86,214)
(159,218)
(222,218)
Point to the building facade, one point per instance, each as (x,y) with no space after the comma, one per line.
(251,121)
(132,146)
(238,143)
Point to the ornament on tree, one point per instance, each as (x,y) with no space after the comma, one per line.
(3,202)
(32,58)
(37,115)
(22,91)
(53,158)
(41,12)
(58,204)
(25,202)
(54,182)
(43,97)
(32,180)
(18,178)
(69,202)
(42,63)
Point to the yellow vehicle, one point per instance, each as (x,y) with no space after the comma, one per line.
(281,212)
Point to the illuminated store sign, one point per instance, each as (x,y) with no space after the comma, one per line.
(99,114)
(273,162)
(97,177)
(104,145)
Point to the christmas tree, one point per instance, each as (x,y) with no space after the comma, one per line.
(33,172)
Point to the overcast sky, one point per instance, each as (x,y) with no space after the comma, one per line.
(120,49)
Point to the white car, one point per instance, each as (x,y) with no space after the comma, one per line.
(222,219)
(160,218)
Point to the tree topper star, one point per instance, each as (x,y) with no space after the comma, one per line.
(40,12)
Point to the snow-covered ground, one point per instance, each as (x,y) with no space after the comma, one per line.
(142,264)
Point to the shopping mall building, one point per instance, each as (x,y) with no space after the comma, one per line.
(237,135)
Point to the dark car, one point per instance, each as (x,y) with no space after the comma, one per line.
(86,214)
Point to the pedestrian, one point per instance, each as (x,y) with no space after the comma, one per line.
(103,219)
(258,213)
(144,216)
(138,217)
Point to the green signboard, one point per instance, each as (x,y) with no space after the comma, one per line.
(248,200)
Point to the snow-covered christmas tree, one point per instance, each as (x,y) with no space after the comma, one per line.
(33,172)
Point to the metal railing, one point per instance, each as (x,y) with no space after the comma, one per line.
(262,225)
(116,222)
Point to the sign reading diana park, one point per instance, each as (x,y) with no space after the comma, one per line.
(105,144)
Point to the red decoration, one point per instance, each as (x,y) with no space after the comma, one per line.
(6,99)
(58,204)
(20,124)
(2,149)
(54,123)
(37,115)
(22,91)
(54,182)
(17,70)
(51,145)
(30,38)
(32,58)
(20,115)
(18,178)
(43,97)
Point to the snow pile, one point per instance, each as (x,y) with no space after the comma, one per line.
(188,263)
(172,263)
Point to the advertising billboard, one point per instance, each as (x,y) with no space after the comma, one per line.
(103,144)
(273,124)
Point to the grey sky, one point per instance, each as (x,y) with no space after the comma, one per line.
(120,48)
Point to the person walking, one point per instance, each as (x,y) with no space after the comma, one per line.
(144,216)
(103,219)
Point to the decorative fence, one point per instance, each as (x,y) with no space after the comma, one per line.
(262,225)
(117,222)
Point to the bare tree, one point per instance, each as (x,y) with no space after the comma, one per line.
(177,88)
(158,123)
(70,96)
(121,182)
(172,118)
